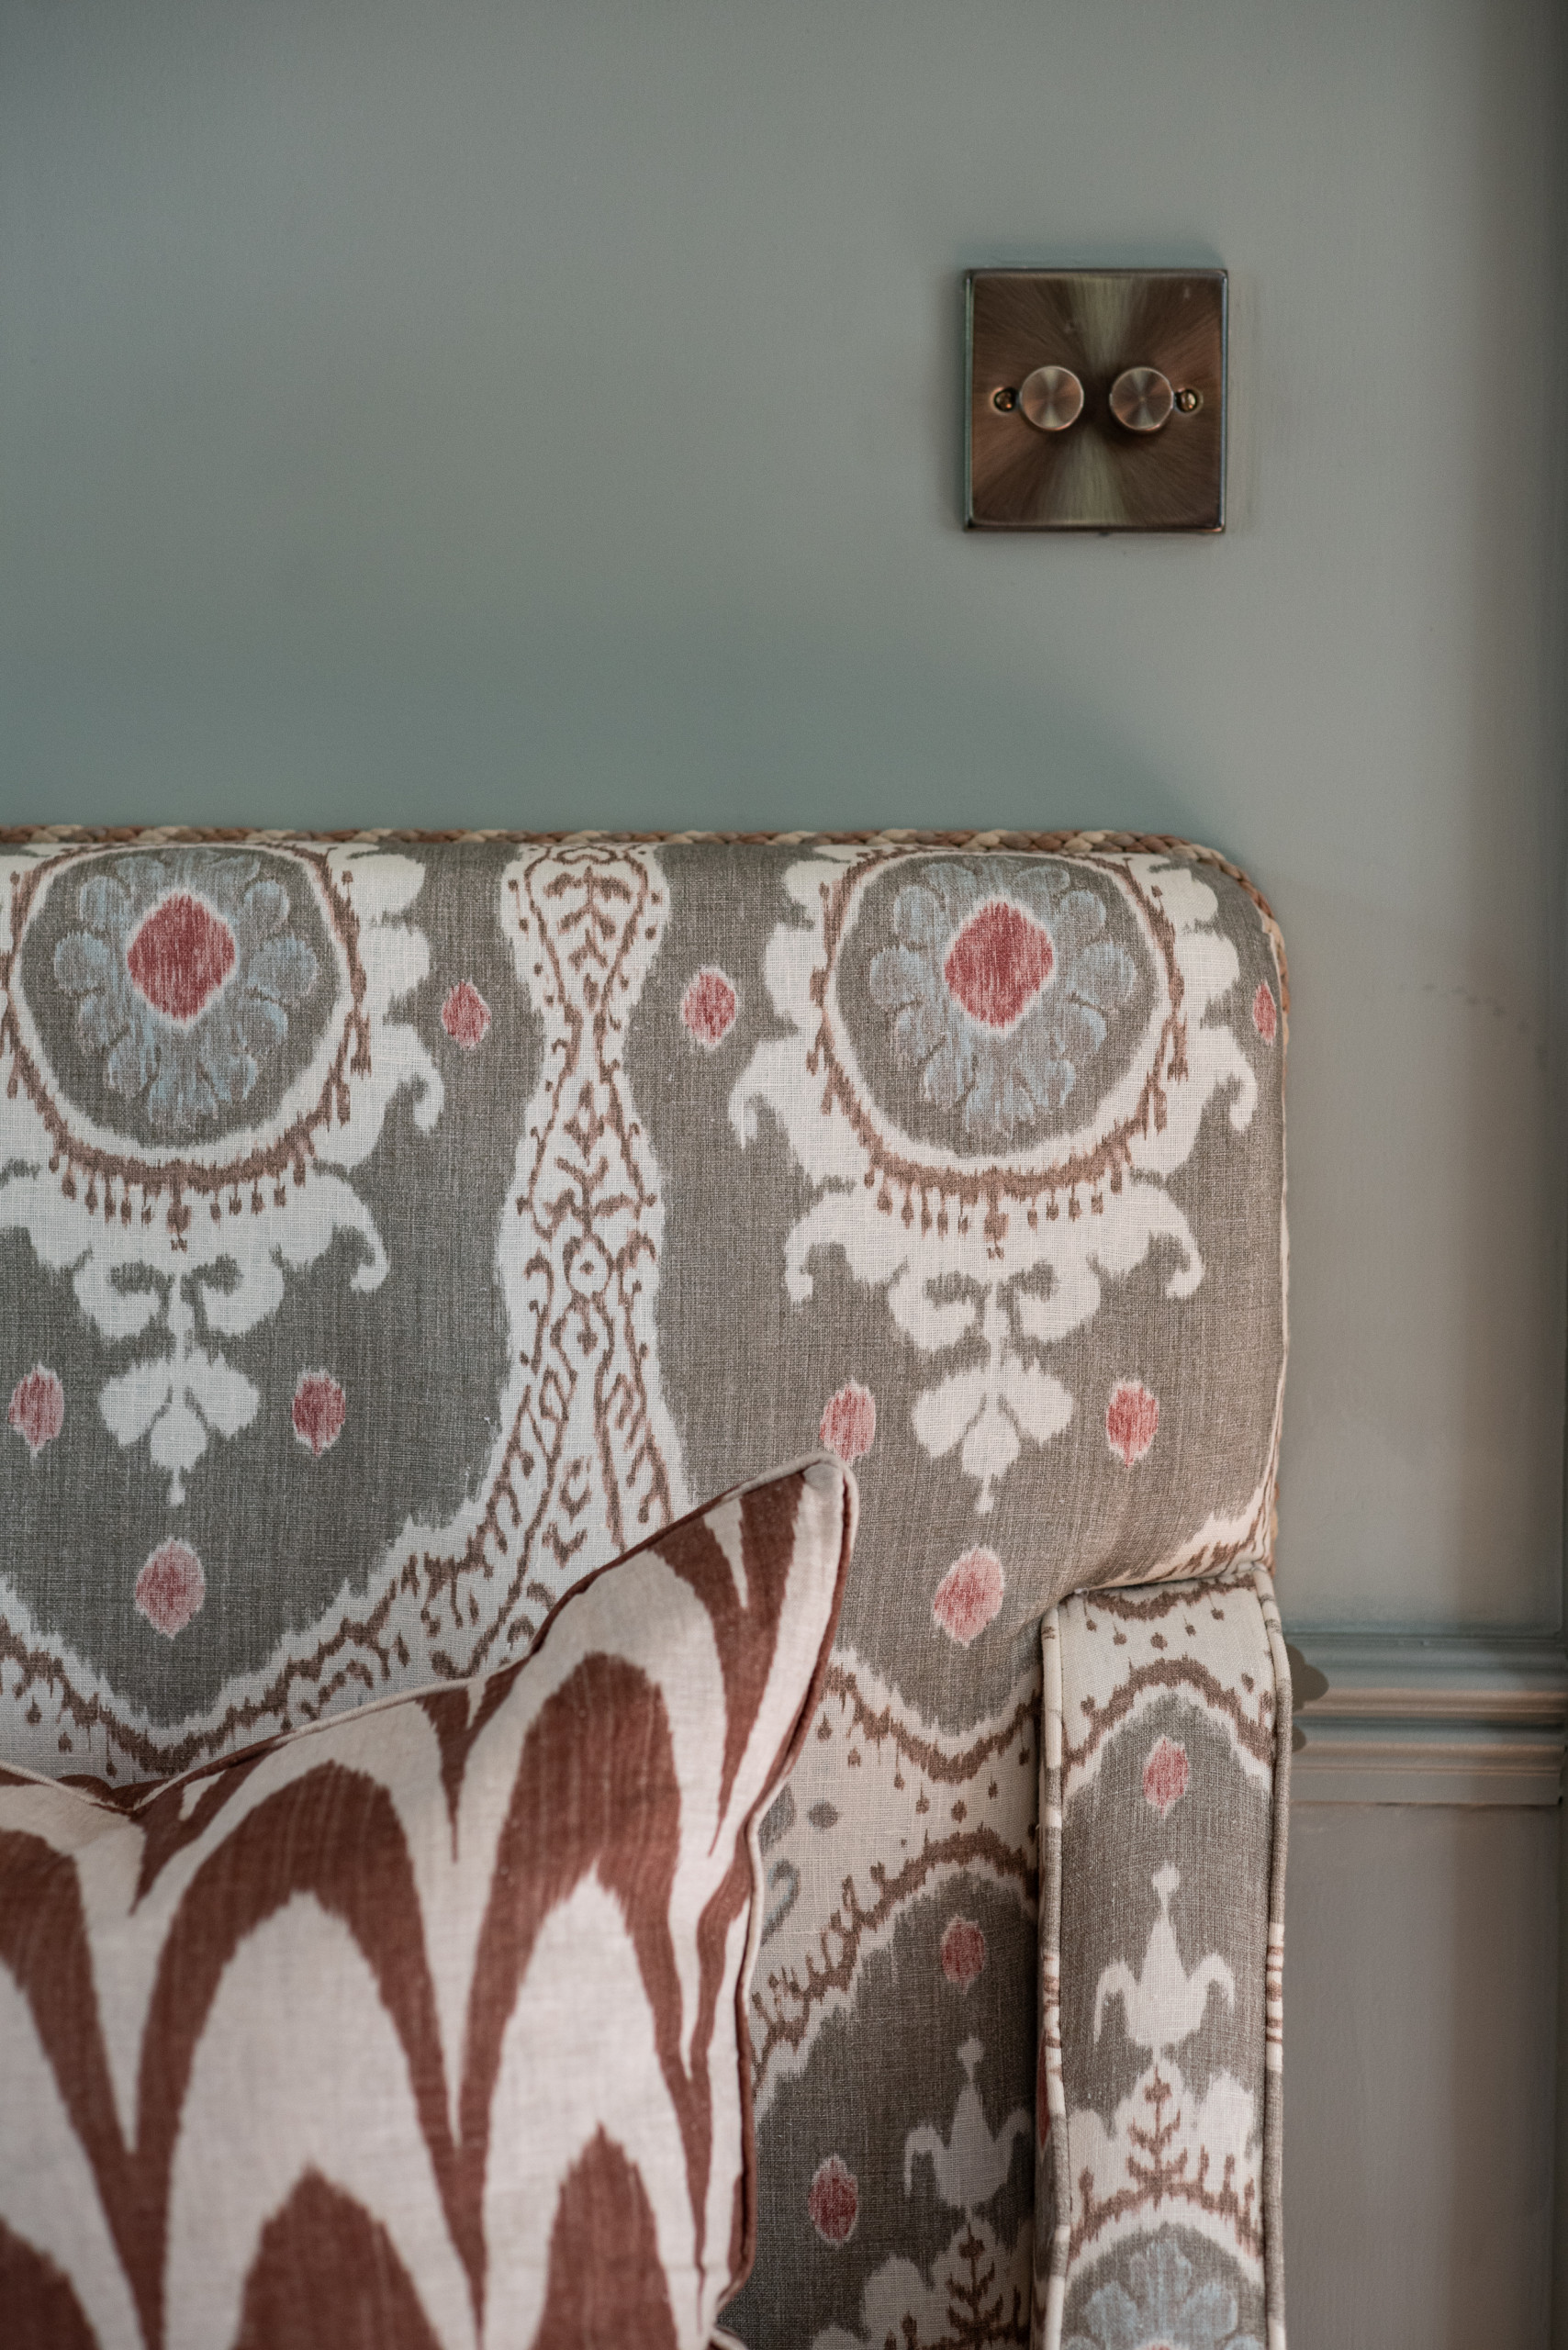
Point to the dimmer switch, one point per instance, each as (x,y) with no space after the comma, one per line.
(1096,399)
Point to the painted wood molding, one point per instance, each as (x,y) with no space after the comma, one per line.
(1412,1718)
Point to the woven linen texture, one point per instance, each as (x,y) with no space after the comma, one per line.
(421,2028)
(392,1231)
(1165,1762)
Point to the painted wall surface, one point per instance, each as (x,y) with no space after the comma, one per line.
(1419,2101)
(549,415)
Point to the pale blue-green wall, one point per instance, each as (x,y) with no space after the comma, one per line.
(542,415)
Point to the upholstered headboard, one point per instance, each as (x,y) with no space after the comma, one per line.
(393,1228)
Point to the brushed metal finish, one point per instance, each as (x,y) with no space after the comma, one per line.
(1142,399)
(1051,399)
(1096,325)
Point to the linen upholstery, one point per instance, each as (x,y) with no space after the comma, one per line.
(497,1199)
(419,2027)
(1164,1771)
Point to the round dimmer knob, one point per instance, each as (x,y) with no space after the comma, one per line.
(1051,399)
(1142,399)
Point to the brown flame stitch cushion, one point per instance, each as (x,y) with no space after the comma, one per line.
(422,2028)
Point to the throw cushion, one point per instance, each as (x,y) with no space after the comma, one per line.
(422,2028)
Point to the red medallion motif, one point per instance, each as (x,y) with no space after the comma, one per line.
(1165,1775)
(963,1951)
(998,964)
(833,2201)
(849,1423)
(465,1016)
(38,1408)
(170,1588)
(319,1411)
(1265,1019)
(968,1596)
(709,1007)
(1131,1418)
(181,956)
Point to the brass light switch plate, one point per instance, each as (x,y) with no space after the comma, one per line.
(1096,399)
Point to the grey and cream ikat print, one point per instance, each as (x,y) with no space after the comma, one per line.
(390,1233)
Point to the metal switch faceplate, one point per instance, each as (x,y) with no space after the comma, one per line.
(1096,399)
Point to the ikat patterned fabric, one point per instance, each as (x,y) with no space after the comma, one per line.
(1165,1760)
(391,1231)
(424,2027)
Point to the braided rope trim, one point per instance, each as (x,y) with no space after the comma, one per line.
(1075,843)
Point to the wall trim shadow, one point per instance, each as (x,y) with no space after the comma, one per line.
(1414,1718)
